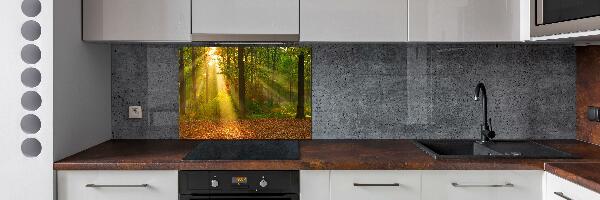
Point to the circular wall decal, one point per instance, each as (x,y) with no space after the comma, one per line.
(31,54)
(31,77)
(30,124)
(31,30)
(31,147)
(31,8)
(31,100)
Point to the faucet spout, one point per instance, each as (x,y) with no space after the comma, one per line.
(480,94)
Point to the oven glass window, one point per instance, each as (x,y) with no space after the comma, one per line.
(553,11)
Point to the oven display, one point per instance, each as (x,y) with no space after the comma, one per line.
(239,180)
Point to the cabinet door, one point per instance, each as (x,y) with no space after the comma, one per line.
(245,20)
(468,20)
(136,20)
(353,20)
(117,185)
(375,185)
(478,185)
(314,184)
(560,189)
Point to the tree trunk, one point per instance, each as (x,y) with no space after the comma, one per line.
(300,108)
(194,73)
(241,82)
(206,86)
(181,84)
(227,67)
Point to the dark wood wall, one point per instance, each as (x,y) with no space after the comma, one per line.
(588,92)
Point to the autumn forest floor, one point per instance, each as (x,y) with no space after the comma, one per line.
(246,129)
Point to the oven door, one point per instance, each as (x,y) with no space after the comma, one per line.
(240,197)
(551,17)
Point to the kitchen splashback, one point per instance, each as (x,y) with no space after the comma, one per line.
(381,91)
(244,93)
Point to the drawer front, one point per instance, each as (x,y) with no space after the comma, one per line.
(375,185)
(560,189)
(117,185)
(477,185)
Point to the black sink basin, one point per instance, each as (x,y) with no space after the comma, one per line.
(469,149)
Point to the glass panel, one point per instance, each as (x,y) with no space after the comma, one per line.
(245,93)
(564,10)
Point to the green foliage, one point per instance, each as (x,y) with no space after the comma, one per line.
(211,82)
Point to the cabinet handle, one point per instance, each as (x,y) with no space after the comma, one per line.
(376,184)
(562,195)
(115,186)
(498,185)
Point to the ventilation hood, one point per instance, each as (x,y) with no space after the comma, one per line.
(245,21)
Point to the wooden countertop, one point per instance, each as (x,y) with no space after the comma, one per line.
(314,154)
(332,155)
(584,174)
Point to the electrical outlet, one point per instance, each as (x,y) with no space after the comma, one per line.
(135,112)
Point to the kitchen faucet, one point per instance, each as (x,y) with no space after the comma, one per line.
(487,134)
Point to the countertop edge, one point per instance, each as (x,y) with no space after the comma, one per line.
(576,178)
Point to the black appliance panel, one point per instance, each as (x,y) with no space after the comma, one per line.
(232,185)
(259,197)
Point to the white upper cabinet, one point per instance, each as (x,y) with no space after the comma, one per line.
(136,20)
(245,20)
(469,20)
(353,20)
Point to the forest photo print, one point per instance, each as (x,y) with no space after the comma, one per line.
(245,93)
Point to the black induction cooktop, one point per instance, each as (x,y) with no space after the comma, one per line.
(245,150)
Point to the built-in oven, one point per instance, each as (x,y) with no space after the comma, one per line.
(238,185)
(552,17)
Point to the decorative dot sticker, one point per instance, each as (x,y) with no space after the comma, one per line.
(31,30)
(31,124)
(31,77)
(31,8)
(31,147)
(31,54)
(31,100)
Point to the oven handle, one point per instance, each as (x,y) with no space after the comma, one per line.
(286,196)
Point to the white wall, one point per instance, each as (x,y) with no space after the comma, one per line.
(21,177)
(82,110)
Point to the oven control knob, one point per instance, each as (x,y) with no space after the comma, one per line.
(214,183)
(263,183)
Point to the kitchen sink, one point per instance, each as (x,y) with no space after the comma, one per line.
(471,149)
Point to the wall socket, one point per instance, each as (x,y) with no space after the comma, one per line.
(135,112)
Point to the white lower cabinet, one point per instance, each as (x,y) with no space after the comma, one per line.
(560,189)
(117,185)
(421,185)
(375,185)
(314,184)
(482,185)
